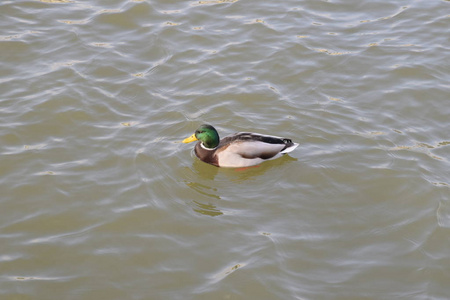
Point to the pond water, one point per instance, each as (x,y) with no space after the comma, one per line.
(99,200)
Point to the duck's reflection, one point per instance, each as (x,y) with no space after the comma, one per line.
(207,209)
(238,175)
(209,181)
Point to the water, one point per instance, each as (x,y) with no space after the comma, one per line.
(99,201)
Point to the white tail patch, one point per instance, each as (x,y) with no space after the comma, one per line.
(289,149)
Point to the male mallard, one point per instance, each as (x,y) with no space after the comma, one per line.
(241,149)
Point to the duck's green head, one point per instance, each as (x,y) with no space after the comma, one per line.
(206,134)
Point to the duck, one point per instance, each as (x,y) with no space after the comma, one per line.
(239,150)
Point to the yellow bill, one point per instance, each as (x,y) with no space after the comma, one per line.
(192,138)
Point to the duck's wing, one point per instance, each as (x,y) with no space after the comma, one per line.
(254,145)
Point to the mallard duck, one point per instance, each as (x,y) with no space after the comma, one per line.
(242,149)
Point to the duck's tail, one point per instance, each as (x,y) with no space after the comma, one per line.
(290,146)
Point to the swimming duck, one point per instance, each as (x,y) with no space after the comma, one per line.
(242,149)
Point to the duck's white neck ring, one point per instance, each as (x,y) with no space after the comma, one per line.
(204,147)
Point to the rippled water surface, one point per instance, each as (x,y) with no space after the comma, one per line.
(100,201)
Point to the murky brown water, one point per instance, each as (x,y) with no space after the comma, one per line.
(99,202)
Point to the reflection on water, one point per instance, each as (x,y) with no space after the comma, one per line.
(210,179)
(203,170)
(207,209)
(200,188)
